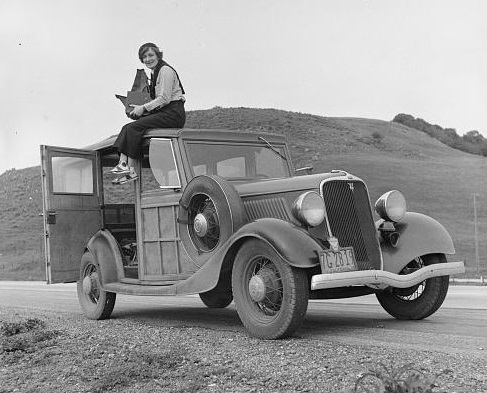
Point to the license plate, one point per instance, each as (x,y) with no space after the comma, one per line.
(341,260)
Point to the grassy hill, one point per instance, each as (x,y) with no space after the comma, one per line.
(21,227)
(436,179)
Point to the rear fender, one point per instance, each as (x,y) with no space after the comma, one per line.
(106,253)
(418,235)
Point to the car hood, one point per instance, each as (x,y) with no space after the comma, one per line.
(296,183)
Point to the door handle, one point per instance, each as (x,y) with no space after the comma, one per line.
(51,217)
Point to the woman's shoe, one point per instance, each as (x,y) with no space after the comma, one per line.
(121,169)
(125,178)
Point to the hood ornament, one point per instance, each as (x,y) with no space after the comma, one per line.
(333,243)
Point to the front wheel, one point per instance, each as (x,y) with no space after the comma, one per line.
(421,300)
(95,302)
(270,295)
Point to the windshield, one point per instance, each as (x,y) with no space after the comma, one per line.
(238,161)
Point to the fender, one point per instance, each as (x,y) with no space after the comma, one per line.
(292,243)
(418,235)
(106,253)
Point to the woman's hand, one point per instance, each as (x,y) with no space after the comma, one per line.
(137,112)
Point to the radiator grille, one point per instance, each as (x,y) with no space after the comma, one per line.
(348,210)
(270,207)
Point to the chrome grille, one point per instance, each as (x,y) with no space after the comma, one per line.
(269,207)
(350,218)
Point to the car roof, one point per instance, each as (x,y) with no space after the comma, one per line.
(195,134)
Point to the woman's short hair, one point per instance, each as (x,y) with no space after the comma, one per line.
(149,45)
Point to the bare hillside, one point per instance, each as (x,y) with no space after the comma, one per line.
(436,179)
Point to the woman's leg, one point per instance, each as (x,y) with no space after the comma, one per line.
(131,164)
(123,158)
(128,145)
(122,167)
(129,140)
(130,137)
(170,116)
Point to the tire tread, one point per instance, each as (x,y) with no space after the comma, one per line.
(104,308)
(288,321)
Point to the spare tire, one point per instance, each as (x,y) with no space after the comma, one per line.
(210,211)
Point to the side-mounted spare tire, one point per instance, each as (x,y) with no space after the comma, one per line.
(210,211)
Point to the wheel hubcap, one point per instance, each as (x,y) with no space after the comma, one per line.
(200,225)
(264,288)
(203,224)
(90,284)
(257,288)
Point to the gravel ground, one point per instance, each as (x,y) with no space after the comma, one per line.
(67,353)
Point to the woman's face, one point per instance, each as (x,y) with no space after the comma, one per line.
(150,58)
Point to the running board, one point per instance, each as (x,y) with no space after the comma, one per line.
(381,279)
(141,290)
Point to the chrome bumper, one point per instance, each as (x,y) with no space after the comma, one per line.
(381,279)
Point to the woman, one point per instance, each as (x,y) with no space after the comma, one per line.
(165,110)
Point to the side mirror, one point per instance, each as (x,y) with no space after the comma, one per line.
(308,169)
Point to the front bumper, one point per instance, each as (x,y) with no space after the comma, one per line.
(380,279)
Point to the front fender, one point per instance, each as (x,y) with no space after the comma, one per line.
(418,235)
(292,243)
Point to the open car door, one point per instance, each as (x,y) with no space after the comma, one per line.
(71,192)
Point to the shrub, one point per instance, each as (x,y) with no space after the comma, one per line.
(472,142)
(404,379)
(377,137)
(23,335)
(13,328)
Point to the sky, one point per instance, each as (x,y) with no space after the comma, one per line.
(62,62)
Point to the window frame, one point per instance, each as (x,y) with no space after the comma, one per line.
(62,154)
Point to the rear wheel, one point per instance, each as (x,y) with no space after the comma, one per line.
(421,300)
(216,298)
(95,302)
(270,295)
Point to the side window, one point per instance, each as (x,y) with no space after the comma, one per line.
(72,175)
(163,163)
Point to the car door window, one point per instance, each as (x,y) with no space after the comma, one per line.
(72,175)
(163,165)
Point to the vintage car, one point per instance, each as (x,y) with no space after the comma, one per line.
(225,215)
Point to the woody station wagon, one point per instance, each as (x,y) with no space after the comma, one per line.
(225,215)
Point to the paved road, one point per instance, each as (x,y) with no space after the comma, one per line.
(460,325)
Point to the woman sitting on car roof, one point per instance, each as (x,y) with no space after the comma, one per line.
(165,110)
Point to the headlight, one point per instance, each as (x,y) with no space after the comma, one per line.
(391,206)
(309,209)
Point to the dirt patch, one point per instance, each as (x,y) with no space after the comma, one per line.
(44,351)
